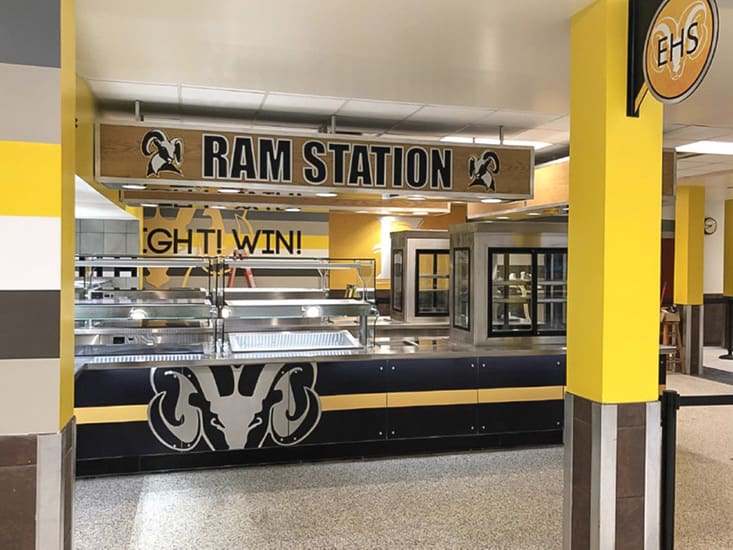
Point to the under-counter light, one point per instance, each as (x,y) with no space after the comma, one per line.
(138,314)
(293,209)
(533,214)
(218,207)
(149,205)
(362,211)
(708,148)
(134,186)
(415,198)
(420,213)
(311,311)
(491,201)
(502,217)
(327,195)
(227,190)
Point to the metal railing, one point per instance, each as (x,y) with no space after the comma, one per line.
(671,402)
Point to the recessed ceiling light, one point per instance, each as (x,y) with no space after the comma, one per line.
(502,217)
(533,214)
(327,195)
(134,186)
(415,198)
(522,143)
(491,201)
(149,205)
(227,190)
(293,209)
(457,139)
(708,148)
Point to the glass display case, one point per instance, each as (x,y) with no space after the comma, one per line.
(420,276)
(516,285)
(528,291)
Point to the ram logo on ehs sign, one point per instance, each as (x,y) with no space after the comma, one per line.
(165,155)
(483,169)
(234,407)
(679,48)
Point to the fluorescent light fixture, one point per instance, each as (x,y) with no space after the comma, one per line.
(415,198)
(533,214)
(457,139)
(218,207)
(493,141)
(502,217)
(327,195)
(362,211)
(134,186)
(293,209)
(228,190)
(384,212)
(708,148)
(149,205)
(420,213)
(491,201)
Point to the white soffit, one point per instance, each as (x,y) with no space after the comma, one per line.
(295,103)
(217,97)
(116,90)
(90,204)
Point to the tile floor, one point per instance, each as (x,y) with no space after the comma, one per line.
(498,500)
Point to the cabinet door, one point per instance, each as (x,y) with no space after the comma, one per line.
(552,291)
(431,284)
(511,301)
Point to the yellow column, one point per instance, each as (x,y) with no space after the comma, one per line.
(689,245)
(728,250)
(614,227)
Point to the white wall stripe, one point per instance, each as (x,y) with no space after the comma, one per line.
(31,250)
(49,492)
(603,477)
(652,475)
(567,528)
(30,389)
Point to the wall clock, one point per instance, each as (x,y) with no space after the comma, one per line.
(711,226)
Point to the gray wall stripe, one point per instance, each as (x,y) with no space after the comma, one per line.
(29,324)
(49,529)
(603,477)
(30,32)
(567,527)
(31,105)
(652,475)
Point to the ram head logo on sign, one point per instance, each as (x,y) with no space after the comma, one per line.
(165,155)
(679,48)
(234,407)
(482,170)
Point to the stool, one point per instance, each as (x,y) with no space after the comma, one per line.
(671,336)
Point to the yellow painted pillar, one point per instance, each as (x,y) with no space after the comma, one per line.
(728,250)
(37,165)
(614,245)
(689,245)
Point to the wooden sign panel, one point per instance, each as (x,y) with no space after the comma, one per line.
(144,154)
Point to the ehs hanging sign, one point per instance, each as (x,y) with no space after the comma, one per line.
(671,46)
(266,161)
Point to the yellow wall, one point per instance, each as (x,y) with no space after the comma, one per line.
(689,245)
(360,236)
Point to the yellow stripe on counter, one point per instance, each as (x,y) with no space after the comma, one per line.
(111,414)
(30,179)
(353,401)
(432,398)
(530,393)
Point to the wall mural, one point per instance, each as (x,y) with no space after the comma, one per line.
(234,407)
(213,232)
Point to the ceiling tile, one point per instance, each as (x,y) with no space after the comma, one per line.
(362,123)
(540,134)
(517,119)
(217,97)
(293,103)
(378,109)
(696,133)
(561,123)
(132,91)
(422,127)
(458,116)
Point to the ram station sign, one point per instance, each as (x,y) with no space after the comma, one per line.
(327,162)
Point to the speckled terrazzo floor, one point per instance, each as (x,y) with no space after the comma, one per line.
(497,500)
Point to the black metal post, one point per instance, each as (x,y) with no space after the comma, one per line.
(729,310)
(670,404)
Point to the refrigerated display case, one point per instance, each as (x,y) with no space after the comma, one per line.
(420,276)
(509,281)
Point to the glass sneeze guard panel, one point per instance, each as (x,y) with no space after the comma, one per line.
(511,299)
(432,283)
(552,277)
(461,272)
(397,279)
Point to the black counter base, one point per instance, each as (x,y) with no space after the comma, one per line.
(313,453)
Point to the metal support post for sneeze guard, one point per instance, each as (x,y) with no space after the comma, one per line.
(671,402)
